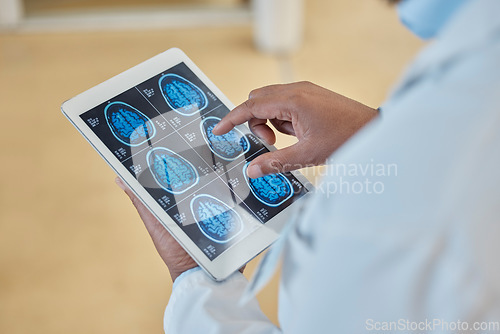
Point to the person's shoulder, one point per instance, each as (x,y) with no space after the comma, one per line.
(472,27)
(463,57)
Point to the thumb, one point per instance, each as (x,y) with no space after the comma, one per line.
(283,160)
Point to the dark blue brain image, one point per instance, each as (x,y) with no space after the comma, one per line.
(171,171)
(217,221)
(181,95)
(272,190)
(229,146)
(128,125)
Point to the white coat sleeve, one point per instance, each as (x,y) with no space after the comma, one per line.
(200,305)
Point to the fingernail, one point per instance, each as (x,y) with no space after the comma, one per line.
(254,171)
(119,182)
(215,127)
(256,133)
(264,141)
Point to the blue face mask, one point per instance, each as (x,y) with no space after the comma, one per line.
(425,18)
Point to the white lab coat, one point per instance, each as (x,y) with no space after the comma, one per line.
(426,248)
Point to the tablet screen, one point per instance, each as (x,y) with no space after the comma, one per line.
(161,131)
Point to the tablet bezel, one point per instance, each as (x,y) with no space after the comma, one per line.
(238,254)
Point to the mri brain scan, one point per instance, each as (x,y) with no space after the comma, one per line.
(229,146)
(217,221)
(272,190)
(171,171)
(181,95)
(130,126)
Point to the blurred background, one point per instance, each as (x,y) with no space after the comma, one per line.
(74,255)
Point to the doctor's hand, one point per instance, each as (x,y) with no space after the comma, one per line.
(174,256)
(320,119)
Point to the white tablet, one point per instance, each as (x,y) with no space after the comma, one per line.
(152,124)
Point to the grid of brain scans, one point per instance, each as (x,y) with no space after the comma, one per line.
(161,131)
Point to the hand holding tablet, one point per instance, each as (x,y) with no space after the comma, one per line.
(174,256)
(153,125)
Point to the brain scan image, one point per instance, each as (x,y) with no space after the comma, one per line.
(217,221)
(130,126)
(229,146)
(171,171)
(181,95)
(272,190)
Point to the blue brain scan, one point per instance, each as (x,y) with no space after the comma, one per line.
(272,190)
(130,126)
(182,95)
(217,221)
(229,146)
(171,171)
